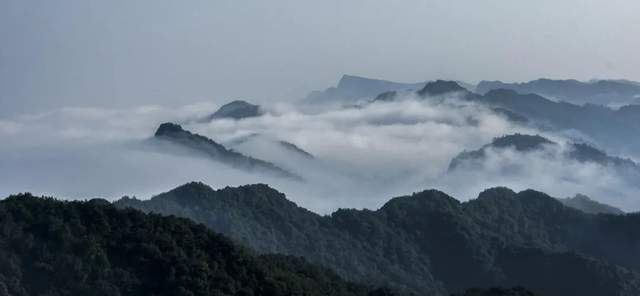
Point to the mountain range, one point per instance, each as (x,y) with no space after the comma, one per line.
(50,247)
(428,242)
(600,92)
(617,130)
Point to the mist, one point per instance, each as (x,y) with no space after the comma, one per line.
(362,156)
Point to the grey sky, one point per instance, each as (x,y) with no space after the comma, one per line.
(125,52)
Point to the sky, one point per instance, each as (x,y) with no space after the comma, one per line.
(117,53)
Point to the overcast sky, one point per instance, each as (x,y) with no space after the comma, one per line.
(133,52)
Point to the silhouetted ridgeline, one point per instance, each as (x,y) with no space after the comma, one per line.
(601,92)
(200,145)
(49,247)
(236,110)
(429,242)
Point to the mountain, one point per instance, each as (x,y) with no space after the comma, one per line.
(510,115)
(587,205)
(441,87)
(618,130)
(428,242)
(353,88)
(602,92)
(526,143)
(173,133)
(236,110)
(50,247)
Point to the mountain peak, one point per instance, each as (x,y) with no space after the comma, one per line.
(521,142)
(427,200)
(497,192)
(168,128)
(237,109)
(440,87)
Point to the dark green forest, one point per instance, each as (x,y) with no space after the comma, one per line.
(429,241)
(50,247)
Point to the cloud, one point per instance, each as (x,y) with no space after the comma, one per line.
(363,155)
(548,170)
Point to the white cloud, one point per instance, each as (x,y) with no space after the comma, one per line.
(364,156)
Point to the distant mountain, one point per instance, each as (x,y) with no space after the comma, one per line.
(50,247)
(617,129)
(428,242)
(173,133)
(236,110)
(526,143)
(441,87)
(510,115)
(353,88)
(587,205)
(603,92)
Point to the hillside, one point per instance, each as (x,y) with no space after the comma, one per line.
(429,241)
(50,247)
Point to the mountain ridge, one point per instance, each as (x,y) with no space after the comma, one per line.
(175,134)
(429,241)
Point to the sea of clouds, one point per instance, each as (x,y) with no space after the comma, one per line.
(363,155)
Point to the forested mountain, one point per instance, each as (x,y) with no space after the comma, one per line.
(50,247)
(236,110)
(428,241)
(601,92)
(175,134)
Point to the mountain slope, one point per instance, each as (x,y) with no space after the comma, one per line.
(587,205)
(49,247)
(429,242)
(174,134)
